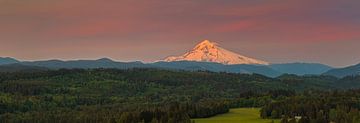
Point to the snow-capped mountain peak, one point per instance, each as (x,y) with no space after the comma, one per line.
(205,44)
(208,51)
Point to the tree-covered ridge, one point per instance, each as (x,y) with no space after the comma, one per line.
(111,95)
(143,95)
(316,107)
(272,70)
(135,82)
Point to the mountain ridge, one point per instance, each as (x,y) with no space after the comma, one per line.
(8,60)
(346,71)
(267,70)
(301,68)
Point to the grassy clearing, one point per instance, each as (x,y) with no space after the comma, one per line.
(239,115)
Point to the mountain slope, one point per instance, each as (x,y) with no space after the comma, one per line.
(20,68)
(301,68)
(177,65)
(342,72)
(273,70)
(207,51)
(217,67)
(7,60)
(267,70)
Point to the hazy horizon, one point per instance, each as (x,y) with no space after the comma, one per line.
(151,61)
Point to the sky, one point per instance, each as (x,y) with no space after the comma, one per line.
(277,31)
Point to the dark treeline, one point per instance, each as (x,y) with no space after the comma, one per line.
(146,95)
(167,113)
(316,107)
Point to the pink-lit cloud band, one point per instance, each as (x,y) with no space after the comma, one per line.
(326,31)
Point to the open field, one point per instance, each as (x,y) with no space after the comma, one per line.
(239,115)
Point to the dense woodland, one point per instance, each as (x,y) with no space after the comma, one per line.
(161,96)
(316,107)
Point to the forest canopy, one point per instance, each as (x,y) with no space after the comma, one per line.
(151,95)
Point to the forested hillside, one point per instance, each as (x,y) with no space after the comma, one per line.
(143,95)
(316,107)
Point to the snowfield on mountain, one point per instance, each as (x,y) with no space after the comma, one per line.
(208,51)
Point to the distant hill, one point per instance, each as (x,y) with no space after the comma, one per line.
(177,65)
(342,72)
(272,70)
(217,67)
(301,68)
(85,64)
(7,60)
(20,68)
(190,65)
(258,69)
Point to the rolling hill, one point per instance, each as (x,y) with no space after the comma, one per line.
(342,72)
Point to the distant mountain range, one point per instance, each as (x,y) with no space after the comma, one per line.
(217,67)
(7,60)
(205,56)
(19,67)
(86,64)
(347,71)
(301,68)
(272,70)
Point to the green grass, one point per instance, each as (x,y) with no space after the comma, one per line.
(239,115)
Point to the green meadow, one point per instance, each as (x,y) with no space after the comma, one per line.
(238,115)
